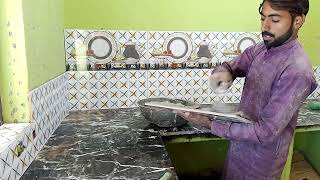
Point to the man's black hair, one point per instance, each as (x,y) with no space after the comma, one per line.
(294,7)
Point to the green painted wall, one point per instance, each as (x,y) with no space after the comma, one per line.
(13,71)
(184,15)
(309,35)
(204,15)
(31,53)
(44,40)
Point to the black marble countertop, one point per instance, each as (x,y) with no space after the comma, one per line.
(102,144)
(115,144)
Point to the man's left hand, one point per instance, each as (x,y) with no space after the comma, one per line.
(195,118)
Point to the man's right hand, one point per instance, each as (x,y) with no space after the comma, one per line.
(220,81)
(195,118)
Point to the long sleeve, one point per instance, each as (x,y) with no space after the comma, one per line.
(287,96)
(240,65)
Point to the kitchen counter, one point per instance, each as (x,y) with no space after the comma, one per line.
(99,144)
(116,144)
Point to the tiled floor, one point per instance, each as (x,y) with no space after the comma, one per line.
(301,169)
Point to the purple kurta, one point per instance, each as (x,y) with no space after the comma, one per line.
(277,82)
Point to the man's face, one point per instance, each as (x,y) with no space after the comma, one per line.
(276,26)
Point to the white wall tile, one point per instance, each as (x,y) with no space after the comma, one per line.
(49,105)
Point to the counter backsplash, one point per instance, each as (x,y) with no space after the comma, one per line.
(21,142)
(116,68)
(123,88)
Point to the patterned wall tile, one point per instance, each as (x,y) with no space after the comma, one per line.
(198,84)
(155,41)
(227,40)
(75,38)
(189,85)
(160,83)
(211,39)
(125,88)
(109,89)
(20,143)
(13,162)
(119,89)
(139,37)
(47,99)
(9,132)
(148,41)
(220,40)
(235,91)
(122,89)
(106,89)
(316,92)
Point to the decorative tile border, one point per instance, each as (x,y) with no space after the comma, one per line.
(75,38)
(20,143)
(151,40)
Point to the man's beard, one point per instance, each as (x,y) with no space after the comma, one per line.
(278,41)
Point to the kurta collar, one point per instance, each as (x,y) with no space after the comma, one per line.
(285,46)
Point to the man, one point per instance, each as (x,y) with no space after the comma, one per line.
(279,78)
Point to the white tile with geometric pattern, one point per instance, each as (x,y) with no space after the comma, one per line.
(21,142)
